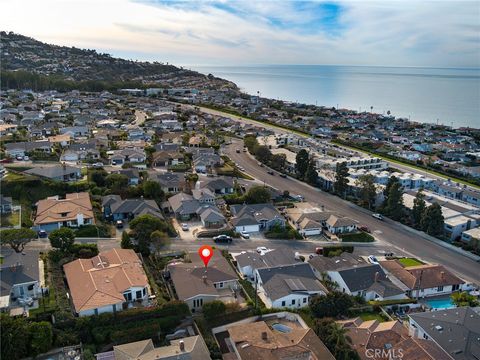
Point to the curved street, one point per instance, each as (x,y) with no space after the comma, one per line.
(396,235)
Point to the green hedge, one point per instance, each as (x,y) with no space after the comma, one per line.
(343,248)
(357,237)
(392,302)
(93,231)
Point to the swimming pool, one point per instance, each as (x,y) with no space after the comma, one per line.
(282,328)
(441,304)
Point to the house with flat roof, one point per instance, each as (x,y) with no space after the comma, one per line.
(389,340)
(291,286)
(423,280)
(72,211)
(197,285)
(456,331)
(189,348)
(106,282)
(472,237)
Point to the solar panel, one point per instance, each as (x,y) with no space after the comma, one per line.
(295,284)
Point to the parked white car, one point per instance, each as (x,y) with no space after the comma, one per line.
(372,259)
(25,301)
(245,235)
(261,249)
(377,216)
(184,227)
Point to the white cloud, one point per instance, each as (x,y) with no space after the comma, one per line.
(377,33)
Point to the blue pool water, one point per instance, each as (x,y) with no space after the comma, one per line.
(282,328)
(441,304)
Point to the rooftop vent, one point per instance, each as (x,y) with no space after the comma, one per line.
(438,328)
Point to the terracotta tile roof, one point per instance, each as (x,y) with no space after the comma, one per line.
(372,335)
(51,209)
(101,280)
(298,343)
(422,276)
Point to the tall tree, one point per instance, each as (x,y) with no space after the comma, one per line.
(278,161)
(392,180)
(153,190)
(367,190)
(335,339)
(117,182)
(257,195)
(262,153)
(62,238)
(333,304)
(301,163)
(341,180)
(432,220)
(17,238)
(394,203)
(419,207)
(311,175)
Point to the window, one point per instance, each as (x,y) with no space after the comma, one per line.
(425,336)
(144,291)
(283,303)
(455,287)
(293,301)
(30,287)
(220,285)
(139,294)
(304,300)
(440,288)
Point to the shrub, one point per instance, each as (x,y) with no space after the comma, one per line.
(342,248)
(357,237)
(93,231)
(213,309)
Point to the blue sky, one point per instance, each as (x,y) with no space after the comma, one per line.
(388,33)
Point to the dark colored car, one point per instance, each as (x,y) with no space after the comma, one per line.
(270,172)
(223,239)
(364,228)
(283,175)
(42,234)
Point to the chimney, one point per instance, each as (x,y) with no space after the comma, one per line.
(442,275)
(264,335)
(204,278)
(377,275)
(182,345)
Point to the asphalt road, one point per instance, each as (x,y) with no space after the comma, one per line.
(388,231)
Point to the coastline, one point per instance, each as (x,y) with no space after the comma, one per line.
(443,96)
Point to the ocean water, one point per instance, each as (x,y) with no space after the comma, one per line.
(449,96)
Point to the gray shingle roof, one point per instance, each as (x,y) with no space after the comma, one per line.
(17,268)
(54,171)
(363,278)
(459,332)
(283,280)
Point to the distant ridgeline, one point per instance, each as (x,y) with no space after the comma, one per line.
(28,63)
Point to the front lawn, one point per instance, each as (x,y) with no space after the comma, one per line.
(357,237)
(409,262)
(10,220)
(366,316)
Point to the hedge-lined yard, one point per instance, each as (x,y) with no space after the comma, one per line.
(357,237)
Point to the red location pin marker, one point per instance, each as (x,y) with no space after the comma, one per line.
(206,253)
